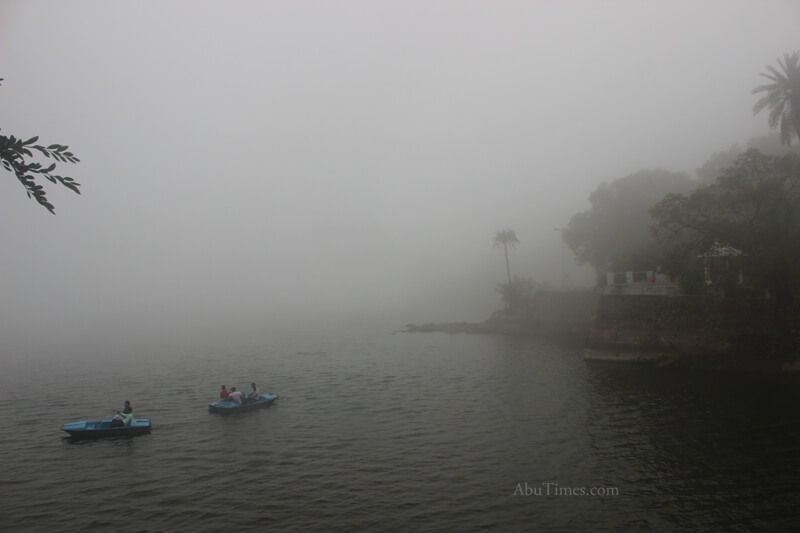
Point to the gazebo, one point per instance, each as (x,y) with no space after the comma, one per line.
(719,262)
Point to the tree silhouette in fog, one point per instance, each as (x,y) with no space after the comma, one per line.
(753,206)
(506,238)
(782,96)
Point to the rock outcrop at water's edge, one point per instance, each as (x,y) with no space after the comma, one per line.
(689,331)
(559,313)
(450,327)
(500,323)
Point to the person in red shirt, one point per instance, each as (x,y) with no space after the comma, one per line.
(223,394)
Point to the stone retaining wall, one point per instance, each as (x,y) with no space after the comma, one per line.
(670,328)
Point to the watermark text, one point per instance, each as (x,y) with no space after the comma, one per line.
(551,488)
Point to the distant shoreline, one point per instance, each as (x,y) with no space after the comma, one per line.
(448,327)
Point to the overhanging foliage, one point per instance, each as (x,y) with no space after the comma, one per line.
(15,154)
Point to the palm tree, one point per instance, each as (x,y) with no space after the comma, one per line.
(783,96)
(507,238)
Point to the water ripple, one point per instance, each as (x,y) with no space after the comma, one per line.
(397,433)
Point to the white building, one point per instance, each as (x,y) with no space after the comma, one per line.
(645,283)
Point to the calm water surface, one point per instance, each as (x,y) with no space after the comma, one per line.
(398,432)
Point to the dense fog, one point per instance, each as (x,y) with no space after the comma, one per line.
(248,165)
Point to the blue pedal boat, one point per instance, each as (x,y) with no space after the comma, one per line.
(228,406)
(97,430)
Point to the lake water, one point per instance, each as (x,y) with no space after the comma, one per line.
(397,432)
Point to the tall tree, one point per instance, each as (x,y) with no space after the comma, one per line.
(753,206)
(782,96)
(613,234)
(506,238)
(768,144)
(13,154)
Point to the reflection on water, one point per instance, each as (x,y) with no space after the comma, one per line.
(429,432)
(712,450)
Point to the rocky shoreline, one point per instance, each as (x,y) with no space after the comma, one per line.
(693,332)
(559,313)
(451,327)
(500,323)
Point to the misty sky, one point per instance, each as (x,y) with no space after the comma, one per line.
(255,161)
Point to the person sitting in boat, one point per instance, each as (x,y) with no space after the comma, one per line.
(127,410)
(117,421)
(126,419)
(254,395)
(236,396)
(223,393)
